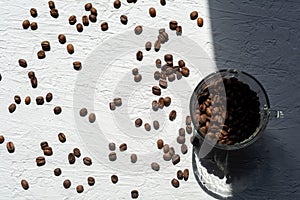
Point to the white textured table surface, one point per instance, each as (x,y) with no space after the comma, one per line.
(261,38)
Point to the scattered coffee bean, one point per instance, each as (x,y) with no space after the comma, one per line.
(27,100)
(48,151)
(172,115)
(188,120)
(71,158)
(112,106)
(152,12)
(83,112)
(62,38)
(44,144)
(94,11)
(17,99)
(46,45)
(10,147)
(184,149)
(178,30)
(167,156)
(124,19)
(156,125)
(112,156)
(79,27)
(70,48)
(148,46)
(104,26)
(92,117)
(185,71)
(87,161)
(137,78)
(179,174)
(67,183)
(93,18)
(117,102)
(138,30)
(39,100)
(117,4)
(23,63)
(178,75)
(166,148)
(133,158)
(79,188)
(147,127)
(33,26)
(76,152)
(156,90)
(135,71)
(77,65)
(123,147)
(12,107)
(194,15)
(85,20)
(155,105)
(40,161)
(172,151)
(138,122)
(158,63)
(88,6)
(189,129)
(163,2)
(41,54)
(34,82)
(91,181)
(157,75)
(167,101)
(175,159)
(49,97)
(112,146)
(26,24)
(134,194)
(168,57)
(57,171)
(180,139)
(181,132)
(57,110)
(200,22)
(155,166)
(51,4)
(1,139)
(54,13)
(175,183)
(157,45)
(31,74)
(186,174)
(139,55)
(181,63)
(114,179)
(61,137)
(72,20)
(160,143)
(163,83)
(173,24)
(24,184)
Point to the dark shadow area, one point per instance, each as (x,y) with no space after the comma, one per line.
(263,38)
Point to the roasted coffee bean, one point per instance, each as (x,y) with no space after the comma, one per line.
(124,19)
(12,107)
(87,161)
(157,75)
(34,82)
(23,63)
(57,171)
(117,4)
(156,125)
(33,26)
(133,158)
(112,106)
(168,57)
(85,20)
(67,183)
(51,4)
(71,158)
(138,30)
(93,18)
(189,129)
(203,129)
(139,55)
(92,117)
(156,90)
(40,161)
(184,149)
(94,11)
(155,105)
(161,103)
(1,139)
(158,63)
(39,100)
(25,24)
(147,127)
(135,71)
(138,122)
(54,13)
(157,45)
(79,188)
(77,65)
(88,6)
(172,115)
(123,147)
(70,48)
(165,37)
(163,83)
(185,71)
(118,101)
(171,77)
(61,137)
(138,78)
(76,152)
(62,38)
(152,12)
(166,148)
(83,112)
(112,146)
(172,151)
(72,20)
(112,156)
(41,54)
(27,100)
(179,174)
(104,26)
(44,144)
(17,99)
(57,110)
(173,24)
(79,27)
(181,63)
(188,120)
(91,181)
(24,184)
(178,75)
(167,101)
(31,74)
(200,22)
(167,156)
(180,139)
(114,179)
(49,97)
(175,159)
(155,166)
(175,183)
(178,30)
(134,194)
(46,45)
(186,174)
(194,15)
(10,147)
(181,132)
(48,151)
(148,46)
(163,2)
(160,143)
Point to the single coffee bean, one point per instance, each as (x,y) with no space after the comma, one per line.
(25,24)
(123,147)
(117,4)
(112,106)
(179,174)
(67,183)
(155,105)
(34,82)
(48,151)
(148,46)
(175,183)
(104,26)
(17,99)
(173,24)
(88,6)
(172,115)
(167,101)
(167,156)
(112,146)
(180,139)
(166,148)
(161,30)
(40,161)
(70,48)
(57,110)
(41,54)
(160,143)
(138,30)
(87,161)
(33,26)
(139,55)
(72,20)
(118,102)
(79,188)
(27,100)
(157,45)
(185,71)
(163,2)
(93,18)
(135,71)
(54,13)
(31,74)
(77,65)
(51,4)
(94,11)
(134,194)
(194,15)
(76,152)
(39,100)
(156,90)
(23,63)
(172,151)
(46,45)
(91,181)
(71,158)
(138,78)
(62,38)
(85,20)
(161,103)
(83,112)
(124,19)
(158,63)
(61,137)
(184,149)
(12,107)
(181,63)
(79,27)
(156,125)
(57,171)
(112,156)
(200,22)
(155,166)
(168,57)
(189,129)
(92,117)
(152,12)
(186,174)
(10,147)
(147,127)
(24,184)
(157,75)
(138,122)
(49,97)
(178,30)
(114,179)
(188,120)
(1,139)
(178,75)
(175,159)
(133,158)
